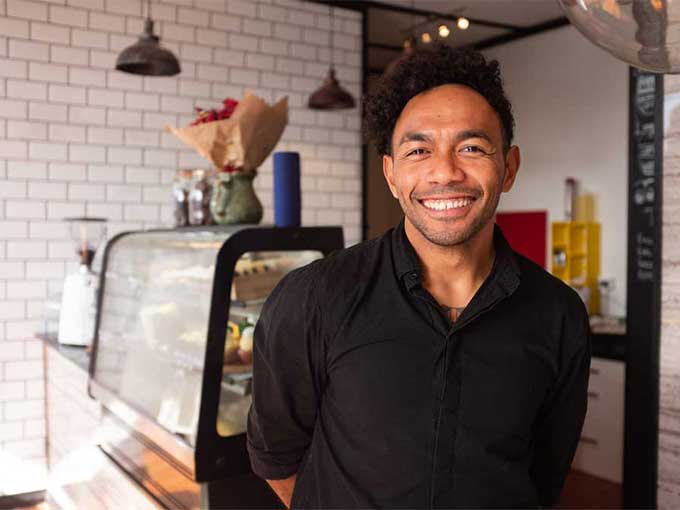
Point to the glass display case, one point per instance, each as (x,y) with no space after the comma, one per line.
(172,354)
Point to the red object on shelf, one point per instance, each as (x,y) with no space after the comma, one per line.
(526,232)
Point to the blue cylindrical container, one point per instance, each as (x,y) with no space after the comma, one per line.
(287,189)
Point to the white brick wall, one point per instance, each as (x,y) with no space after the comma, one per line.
(78,137)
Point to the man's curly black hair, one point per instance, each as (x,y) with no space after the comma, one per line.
(427,69)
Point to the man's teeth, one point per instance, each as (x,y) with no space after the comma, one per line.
(442,205)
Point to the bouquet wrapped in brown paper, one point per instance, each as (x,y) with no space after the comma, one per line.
(242,141)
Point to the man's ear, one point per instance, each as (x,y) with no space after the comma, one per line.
(388,172)
(512,160)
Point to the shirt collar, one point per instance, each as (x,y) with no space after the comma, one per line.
(408,266)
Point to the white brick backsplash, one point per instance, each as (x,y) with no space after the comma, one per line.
(107,22)
(177,104)
(14,28)
(124,156)
(125,81)
(160,84)
(26,130)
(13,149)
(257,27)
(46,111)
(29,50)
(27,249)
(138,212)
(230,57)
(135,137)
(87,115)
(10,68)
(48,151)
(183,33)
(142,101)
(191,88)
(211,72)
(103,210)
(105,136)
(27,9)
(48,230)
(13,109)
(213,38)
(87,154)
(157,194)
(25,209)
(303,51)
(44,270)
(244,77)
(26,170)
(13,229)
(47,190)
(259,61)
(47,72)
(304,84)
(226,23)
(35,429)
(274,47)
(11,431)
(26,290)
(122,118)
(68,16)
(86,192)
(105,173)
(193,17)
(67,171)
(242,8)
(242,42)
(11,391)
(123,193)
(50,33)
(289,66)
(12,271)
(90,39)
(68,94)
(67,133)
(60,210)
(271,12)
(66,55)
(161,158)
(26,409)
(196,53)
(82,76)
(275,80)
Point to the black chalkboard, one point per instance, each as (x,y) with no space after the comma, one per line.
(643,318)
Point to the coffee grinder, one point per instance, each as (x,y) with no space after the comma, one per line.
(79,299)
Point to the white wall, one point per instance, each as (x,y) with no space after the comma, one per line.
(570,101)
(78,137)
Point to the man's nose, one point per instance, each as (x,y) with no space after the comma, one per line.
(445,168)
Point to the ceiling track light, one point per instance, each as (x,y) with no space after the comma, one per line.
(426,37)
(463,23)
(444,31)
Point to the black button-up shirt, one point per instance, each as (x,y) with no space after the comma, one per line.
(365,389)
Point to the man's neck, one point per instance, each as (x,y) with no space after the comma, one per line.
(453,274)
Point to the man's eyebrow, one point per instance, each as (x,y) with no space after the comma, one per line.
(473,133)
(414,136)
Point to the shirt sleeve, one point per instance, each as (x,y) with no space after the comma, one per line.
(288,368)
(559,427)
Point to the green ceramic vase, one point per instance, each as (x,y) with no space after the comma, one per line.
(234,200)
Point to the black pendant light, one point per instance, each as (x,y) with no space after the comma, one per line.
(331,96)
(146,56)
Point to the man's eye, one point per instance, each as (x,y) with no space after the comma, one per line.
(473,149)
(416,152)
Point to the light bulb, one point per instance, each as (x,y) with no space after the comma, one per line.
(463,23)
(426,38)
(444,31)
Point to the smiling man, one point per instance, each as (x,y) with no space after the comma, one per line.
(432,367)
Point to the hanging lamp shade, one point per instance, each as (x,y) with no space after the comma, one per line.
(331,96)
(147,57)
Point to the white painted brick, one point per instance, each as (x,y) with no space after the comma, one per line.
(13,229)
(196,53)
(13,189)
(124,156)
(130,7)
(105,136)
(45,270)
(318,37)
(162,12)
(12,271)
(101,97)
(316,70)
(173,32)
(122,118)
(287,32)
(242,8)
(29,50)
(26,170)
(225,23)
(345,137)
(211,72)
(105,210)
(192,88)
(257,27)
(156,194)
(275,80)
(26,130)
(316,135)
(62,249)
(26,409)
(123,193)
(46,190)
(13,149)
(140,212)
(141,101)
(26,290)
(67,16)
(193,17)
(47,151)
(67,94)
(177,104)
(274,47)
(46,230)
(229,57)
(242,42)
(10,27)
(164,158)
(25,209)
(47,72)
(81,76)
(142,175)
(160,84)
(290,66)
(35,389)
(20,89)
(329,217)
(50,33)
(10,68)
(66,133)
(31,449)
(87,4)
(138,138)
(66,55)
(244,77)
(210,5)
(12,109)
(28,249)
(12,391)
(27,10)
(329,152)
(213,38)
(331,184)
(107,22)
(303,51)
(299,17)
(304,84)
(90,39)
(35,429)
(86,192)
(105,60)
(11,431)
(87,115)
(60,210)
(86,154)
(47,111)
(270,12)
(105,173)
(67,171)
(125,81)
(259,61)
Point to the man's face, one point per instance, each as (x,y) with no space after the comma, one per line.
(448,167)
